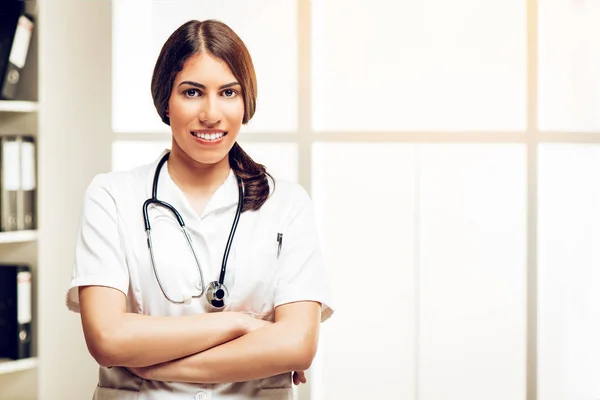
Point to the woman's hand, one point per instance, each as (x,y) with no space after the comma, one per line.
(299,377)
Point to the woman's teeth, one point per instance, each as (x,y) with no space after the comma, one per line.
(208,136)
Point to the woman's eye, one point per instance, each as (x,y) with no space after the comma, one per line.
(229,92)
(191,92)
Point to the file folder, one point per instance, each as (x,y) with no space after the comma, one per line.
(26,204)
(16,30)
(10,183)
(15,311)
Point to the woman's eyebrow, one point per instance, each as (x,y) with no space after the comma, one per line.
(201,86)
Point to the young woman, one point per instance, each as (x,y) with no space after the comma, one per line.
(199,276)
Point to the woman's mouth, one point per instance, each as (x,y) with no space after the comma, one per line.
(208,138)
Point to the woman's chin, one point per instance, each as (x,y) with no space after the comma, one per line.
(202,157)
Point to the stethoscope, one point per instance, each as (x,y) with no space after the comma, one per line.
(216,292)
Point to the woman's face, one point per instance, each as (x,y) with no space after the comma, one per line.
(206,109)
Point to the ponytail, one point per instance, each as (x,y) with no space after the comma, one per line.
(253,175)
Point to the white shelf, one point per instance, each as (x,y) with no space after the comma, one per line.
(8,366)
(18,236)
(18,106)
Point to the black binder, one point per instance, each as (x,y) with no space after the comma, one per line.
(15,311)
(10,182)
(16,30)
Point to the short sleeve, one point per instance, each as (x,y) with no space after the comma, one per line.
(303,274)
(99,257)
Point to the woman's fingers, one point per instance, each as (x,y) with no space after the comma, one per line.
(299,377)
(302,377)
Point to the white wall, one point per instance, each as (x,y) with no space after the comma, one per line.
(74,144)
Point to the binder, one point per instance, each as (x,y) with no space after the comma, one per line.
(16,30)
(17,183)
(10,183)
(15,311)
(26,204)
(10,12)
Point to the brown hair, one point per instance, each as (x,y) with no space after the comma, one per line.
(219,40)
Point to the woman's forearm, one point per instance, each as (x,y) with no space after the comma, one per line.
(257,355)
(281,347)
(117,338)
(139,340)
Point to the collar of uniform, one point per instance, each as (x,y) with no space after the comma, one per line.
(225,196)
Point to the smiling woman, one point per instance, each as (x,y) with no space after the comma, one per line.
(199,296)
(210,113)
(204,87)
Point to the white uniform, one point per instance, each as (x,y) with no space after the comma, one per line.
(112,251)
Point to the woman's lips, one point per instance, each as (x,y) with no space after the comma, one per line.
(207,142)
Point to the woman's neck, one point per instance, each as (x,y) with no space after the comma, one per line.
(193,178)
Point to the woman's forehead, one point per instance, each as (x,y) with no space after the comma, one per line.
(207,70)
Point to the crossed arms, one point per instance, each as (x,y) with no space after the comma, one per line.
(205,348)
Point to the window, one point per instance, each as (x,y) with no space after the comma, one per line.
(569,61)
(418,65)
(450,150)
(569,278)
(367,222)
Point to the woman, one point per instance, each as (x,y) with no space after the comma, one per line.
(228,307)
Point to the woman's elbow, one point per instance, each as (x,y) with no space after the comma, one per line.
(103,359)
(303,363)
(103,347)
(304,353)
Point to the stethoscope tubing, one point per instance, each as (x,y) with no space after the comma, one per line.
(232,232)
(201,284)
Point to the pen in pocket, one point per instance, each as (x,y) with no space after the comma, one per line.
(279,243)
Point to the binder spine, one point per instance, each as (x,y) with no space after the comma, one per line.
(28,192)
(10,183)
(23,335)
(19,209)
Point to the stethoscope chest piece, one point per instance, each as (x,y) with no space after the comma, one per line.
(217,294)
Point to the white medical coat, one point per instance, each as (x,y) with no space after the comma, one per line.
(112,251)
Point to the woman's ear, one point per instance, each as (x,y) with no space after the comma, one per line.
(167,113)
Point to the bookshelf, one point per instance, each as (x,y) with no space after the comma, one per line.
(19,378)
(68,110)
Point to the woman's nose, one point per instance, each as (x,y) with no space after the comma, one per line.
(209,113)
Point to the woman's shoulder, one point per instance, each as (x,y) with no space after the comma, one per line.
(285,193)
(119,183)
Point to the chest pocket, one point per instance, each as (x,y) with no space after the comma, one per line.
(256,276)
